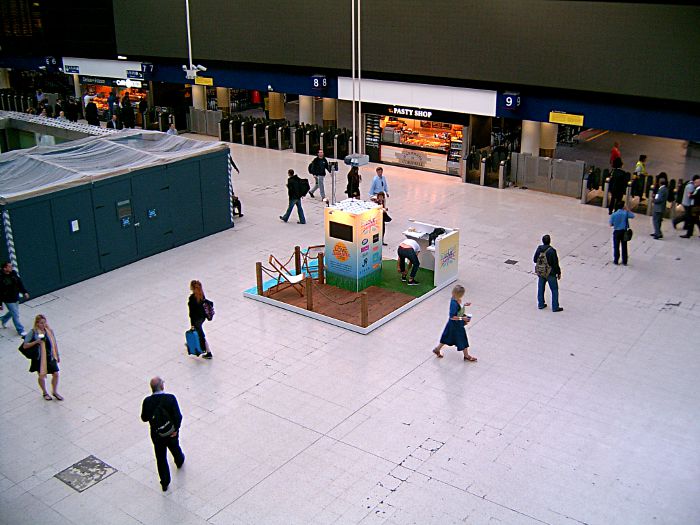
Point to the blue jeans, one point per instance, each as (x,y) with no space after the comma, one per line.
(410,254)
(553,286)
(13,311)
(300,210)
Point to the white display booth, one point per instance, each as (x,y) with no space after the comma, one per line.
(442,257)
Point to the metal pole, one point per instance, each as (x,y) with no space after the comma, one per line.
(352,6)
(482,175)
(333,184)
(650,200)
(502,175)
(584,189)
(360,142)
(267,136)
(230,130)
(606,188)
(189,34)
(628,194)
(242,132)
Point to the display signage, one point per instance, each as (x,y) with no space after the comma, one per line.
(128,83)
(559,117)
(132,73)
(96,80)
(409,112)
(71,69)
(319,82)
(204,81)
(511,100)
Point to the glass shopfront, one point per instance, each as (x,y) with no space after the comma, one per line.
(416,137)
(102,87)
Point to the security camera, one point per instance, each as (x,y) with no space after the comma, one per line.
(200,67)
(184,68)
(269,87)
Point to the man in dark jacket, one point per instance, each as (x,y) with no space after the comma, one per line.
(113,123)
(618,185)
(318,168)
(163,413)
(11,287)
(553,276)
(91,114)
(295,193)
(659,206)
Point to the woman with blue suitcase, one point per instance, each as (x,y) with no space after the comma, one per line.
(200,310)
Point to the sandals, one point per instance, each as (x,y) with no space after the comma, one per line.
(58,397)
(470,358)
(437,352)
(48,397)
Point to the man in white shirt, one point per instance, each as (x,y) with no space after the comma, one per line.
(409,249)
(379,184)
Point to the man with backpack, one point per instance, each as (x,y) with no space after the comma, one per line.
(162,412)
(296,189)
(318,168)
(548,272)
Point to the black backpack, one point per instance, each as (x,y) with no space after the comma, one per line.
(161,422)
(303,187)
(311,167)
(208,309)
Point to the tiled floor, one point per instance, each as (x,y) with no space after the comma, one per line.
(589,416)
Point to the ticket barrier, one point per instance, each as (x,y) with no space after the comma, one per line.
(298,134)
(271,135)
(225,129)
(247,132)
(234,129)
(283,137)
(327,143)
(259,134)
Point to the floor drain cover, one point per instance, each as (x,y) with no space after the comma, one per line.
(85,473)
(511,261)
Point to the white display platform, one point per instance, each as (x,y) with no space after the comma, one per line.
(442,257)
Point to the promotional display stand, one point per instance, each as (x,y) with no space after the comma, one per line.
(353,231)
(442,257)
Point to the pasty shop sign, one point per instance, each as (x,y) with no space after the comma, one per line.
(410,112)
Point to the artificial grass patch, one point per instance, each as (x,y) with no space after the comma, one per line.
(391,280)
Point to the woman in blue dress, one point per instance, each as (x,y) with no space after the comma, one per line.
(455,333)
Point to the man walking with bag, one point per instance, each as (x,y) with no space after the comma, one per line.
(619,220)
(318,168)
(659,208)
(296,189)
(162,412)
(11,287)
(548,272)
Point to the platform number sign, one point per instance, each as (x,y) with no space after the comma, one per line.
(319,82)
(511,100)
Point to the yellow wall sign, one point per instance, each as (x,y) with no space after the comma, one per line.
(204,81)
(558,117)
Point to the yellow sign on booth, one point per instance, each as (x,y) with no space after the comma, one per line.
(204,81)
(559,117)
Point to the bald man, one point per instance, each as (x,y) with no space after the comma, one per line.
(162,412)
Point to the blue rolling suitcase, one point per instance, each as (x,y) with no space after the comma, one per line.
(193,346)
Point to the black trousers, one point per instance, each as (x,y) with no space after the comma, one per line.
(410,254)
(619,239)
(161,447)
(614,199)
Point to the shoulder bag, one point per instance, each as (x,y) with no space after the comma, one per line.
(628,231)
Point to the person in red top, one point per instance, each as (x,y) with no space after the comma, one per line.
(615,153)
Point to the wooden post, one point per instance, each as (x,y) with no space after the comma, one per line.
(364,314)
(259,278)
(297,259)
(309,294)
(321,270)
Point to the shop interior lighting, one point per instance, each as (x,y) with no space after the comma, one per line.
(121,57)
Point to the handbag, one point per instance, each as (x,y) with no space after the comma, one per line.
(628,232)
(30,353)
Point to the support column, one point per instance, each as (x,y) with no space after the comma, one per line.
(223,99)
(76,88)
(306,109)
(276,105)
(199,97)
(330,113)
(530,141)
(4,78)
(548,139)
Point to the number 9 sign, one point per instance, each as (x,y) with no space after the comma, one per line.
(511,100)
